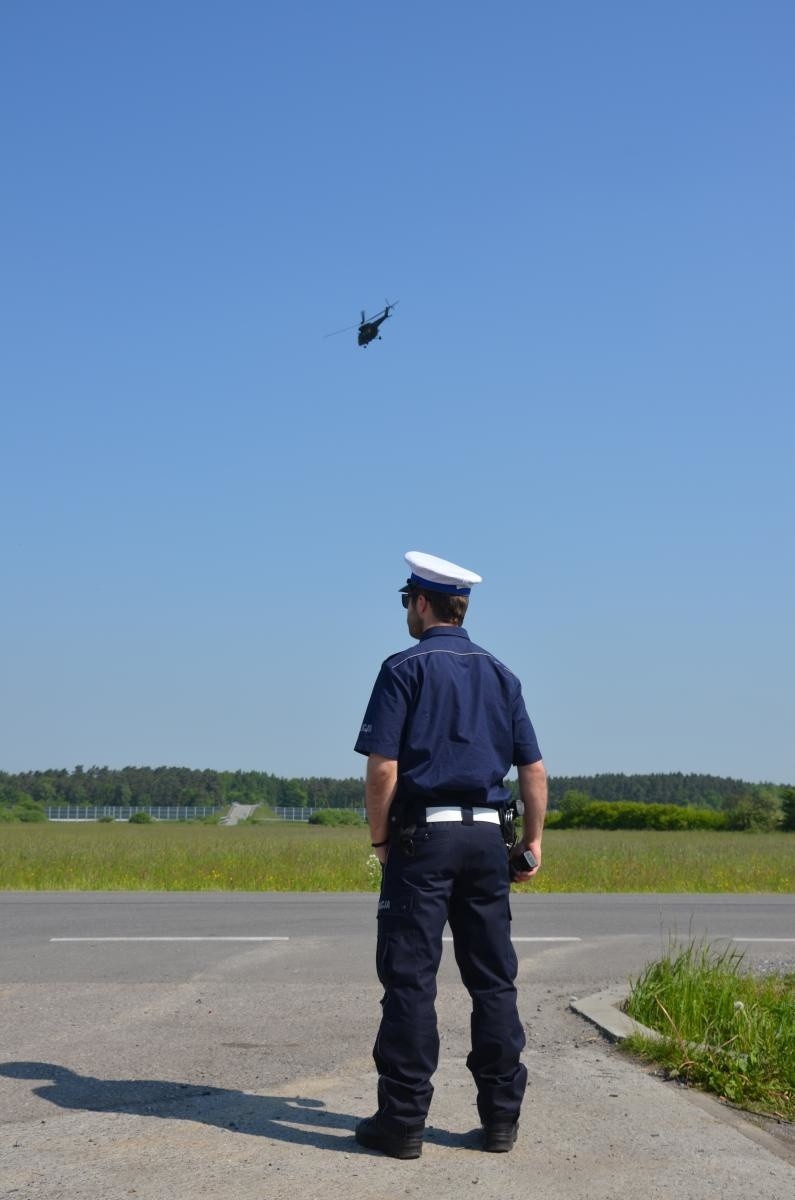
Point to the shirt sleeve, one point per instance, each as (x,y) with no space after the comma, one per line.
(382,727)
(525,742)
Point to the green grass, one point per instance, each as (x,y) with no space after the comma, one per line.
(590,860)
(161,857)
(723,1029)
(284,857)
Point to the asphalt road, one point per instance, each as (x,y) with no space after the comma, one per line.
(143,1052)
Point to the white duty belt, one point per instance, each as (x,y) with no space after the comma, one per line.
(444,813)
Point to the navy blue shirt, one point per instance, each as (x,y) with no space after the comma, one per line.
(452,715)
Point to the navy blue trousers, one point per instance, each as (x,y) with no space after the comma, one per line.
(458,873)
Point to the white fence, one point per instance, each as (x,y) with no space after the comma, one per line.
(119,813)
(171,812)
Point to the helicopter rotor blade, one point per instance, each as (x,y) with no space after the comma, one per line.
(347,329)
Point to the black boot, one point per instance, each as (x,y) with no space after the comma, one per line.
(500,1136)
(372,1134)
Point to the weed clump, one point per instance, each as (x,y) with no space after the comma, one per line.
(722,1028)
(336,817)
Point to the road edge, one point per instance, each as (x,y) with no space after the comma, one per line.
(603,1009)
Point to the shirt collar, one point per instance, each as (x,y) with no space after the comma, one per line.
(444,631)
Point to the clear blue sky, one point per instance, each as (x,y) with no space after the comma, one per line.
(586,393)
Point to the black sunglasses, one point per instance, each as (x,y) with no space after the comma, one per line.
(406,598)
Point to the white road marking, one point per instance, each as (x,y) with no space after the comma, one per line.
(534,939)
(745,939)
(546,939)
(170,939)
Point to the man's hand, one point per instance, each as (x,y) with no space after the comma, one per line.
(533,791)
(524,876)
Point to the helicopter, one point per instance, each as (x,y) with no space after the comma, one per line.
(369,326)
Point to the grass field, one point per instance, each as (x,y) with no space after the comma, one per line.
(294,857)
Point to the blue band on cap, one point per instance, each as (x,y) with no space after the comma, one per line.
(449,589)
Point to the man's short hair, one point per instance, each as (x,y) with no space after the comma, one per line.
(450,609)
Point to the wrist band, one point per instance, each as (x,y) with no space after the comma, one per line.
(378,845)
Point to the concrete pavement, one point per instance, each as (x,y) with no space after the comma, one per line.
(239,1069)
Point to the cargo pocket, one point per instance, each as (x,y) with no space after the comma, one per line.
(396,953)
(401,905)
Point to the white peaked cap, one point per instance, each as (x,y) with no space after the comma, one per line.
(438,575)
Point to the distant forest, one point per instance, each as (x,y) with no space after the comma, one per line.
(694,791)
(152,786)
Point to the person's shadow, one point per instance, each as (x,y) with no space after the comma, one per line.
(280,1117)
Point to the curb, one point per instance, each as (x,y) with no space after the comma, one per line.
(604,1010)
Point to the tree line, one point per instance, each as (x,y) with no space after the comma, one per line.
(697,791)
(670,801)
(141,787)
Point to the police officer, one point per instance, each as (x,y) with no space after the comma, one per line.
(445,722)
